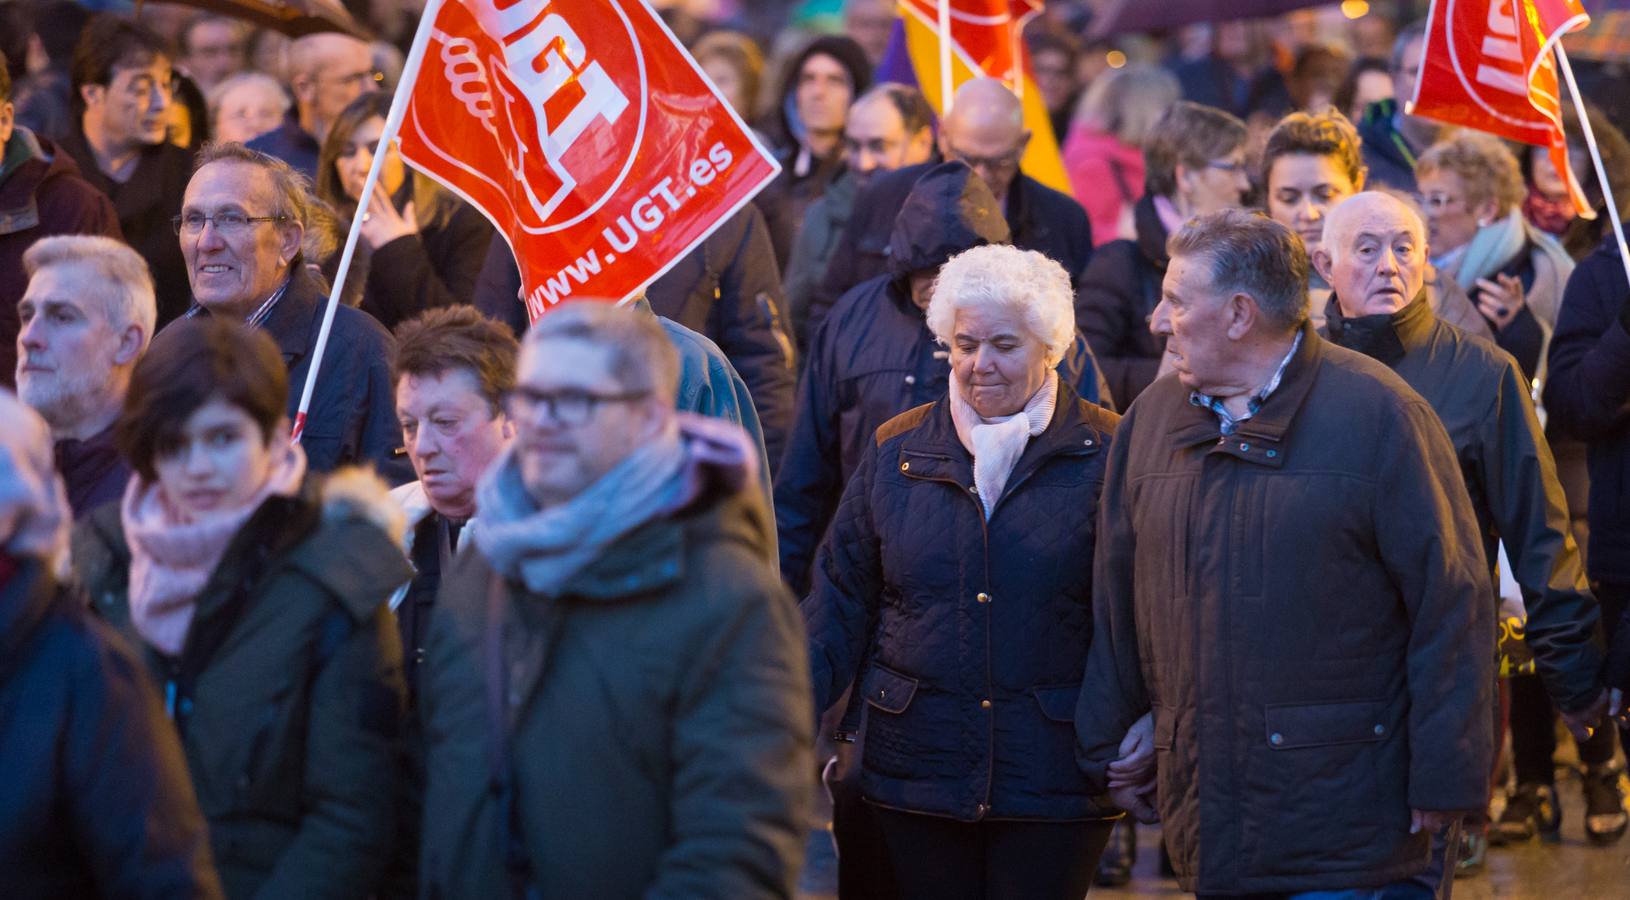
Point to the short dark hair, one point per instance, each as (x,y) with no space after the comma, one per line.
(458,338)
(1344,96)
(1190,134)
(1251,254)
(110,41)
(1323,134)
(190,363)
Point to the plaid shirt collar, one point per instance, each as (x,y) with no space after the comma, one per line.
(1229,422)
(255,319)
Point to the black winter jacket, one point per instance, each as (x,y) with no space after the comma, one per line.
(1038,217)
(97,801)
(1483,401)
(436,267)
(968,637)
(1118,293)
(1588,397)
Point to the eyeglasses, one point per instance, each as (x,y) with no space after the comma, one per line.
(226,223)
(358,78)
(1227,165)
(1439,202)
(1004,162)
(570,407)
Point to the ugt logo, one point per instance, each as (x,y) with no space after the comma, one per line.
(558,133)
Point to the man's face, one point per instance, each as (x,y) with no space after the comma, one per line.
(1193,317)
(875,140)
(992,149)
(451,434)
(1054,77)
(1218,185)
(823,93)
(869,23)
(344,73)
(133,108)
(1379,262)
(214,50)
(234,269)
(1407,71)
(574,420)
(67,349)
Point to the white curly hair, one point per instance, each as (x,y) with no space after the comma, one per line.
(998,275)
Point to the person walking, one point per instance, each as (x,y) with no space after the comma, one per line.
(961,618)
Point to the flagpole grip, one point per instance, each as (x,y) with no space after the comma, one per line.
(1595,157)
(393,125)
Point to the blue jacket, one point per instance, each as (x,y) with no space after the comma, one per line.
(968,637)
(1588,397)
(292,144)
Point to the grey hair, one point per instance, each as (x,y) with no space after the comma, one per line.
(641,355)
(245,79)
(1128,102)
(122,277)
(291,188)
(999,275)
(1251,254)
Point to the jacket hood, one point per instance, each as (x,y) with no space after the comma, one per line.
(26,162)
(948,211)
(845,51)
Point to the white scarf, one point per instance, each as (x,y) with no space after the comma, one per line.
(997,444)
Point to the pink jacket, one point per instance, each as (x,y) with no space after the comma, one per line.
(1093,160)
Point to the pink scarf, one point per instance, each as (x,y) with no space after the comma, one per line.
(996,444)
(172,556)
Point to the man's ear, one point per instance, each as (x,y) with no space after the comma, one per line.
(1322,263)
(1242,316)
(92,94)
(305,88)
(290,235)
(1024,142)
(131,341)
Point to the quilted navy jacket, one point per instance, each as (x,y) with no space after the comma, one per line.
(969,637)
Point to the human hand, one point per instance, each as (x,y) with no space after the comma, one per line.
(1433,821)
(1501,300)
(381,223)
(1135,767)
(1137,801)
(1583,724)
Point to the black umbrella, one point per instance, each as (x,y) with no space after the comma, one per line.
(295,18)
(1132,16)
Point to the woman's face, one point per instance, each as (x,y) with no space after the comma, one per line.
(999,364)
(358,154)
(220,463)
(1451,221)
(1302,189)
(728,81)
(1546,178)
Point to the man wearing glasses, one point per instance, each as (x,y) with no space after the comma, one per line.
(123,87)
(326,72)
(241,224)
(616,615)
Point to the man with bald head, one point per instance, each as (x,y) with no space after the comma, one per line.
(326,72)
(984,129)
(1374,257)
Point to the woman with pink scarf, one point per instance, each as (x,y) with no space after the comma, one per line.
(258,597)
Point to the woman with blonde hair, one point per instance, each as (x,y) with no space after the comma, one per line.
(424,246)
(1103,153)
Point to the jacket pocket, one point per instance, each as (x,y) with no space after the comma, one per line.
(1057,702)
(888,690)
(1292,726)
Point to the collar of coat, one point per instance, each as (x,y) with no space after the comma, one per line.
(1386,337)
(1261,439)
(931,451)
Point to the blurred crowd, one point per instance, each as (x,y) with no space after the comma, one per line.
(1269,483)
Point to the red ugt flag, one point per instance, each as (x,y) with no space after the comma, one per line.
(1487,64)
(585,133)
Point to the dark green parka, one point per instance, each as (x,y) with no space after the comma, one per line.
(288,692)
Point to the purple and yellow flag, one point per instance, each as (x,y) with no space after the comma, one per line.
(985,41)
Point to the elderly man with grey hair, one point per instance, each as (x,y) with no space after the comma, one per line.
(1374,257)
(615,692)
(327,71)
(243,220)
(954,591)
(86,318)
(1291,580)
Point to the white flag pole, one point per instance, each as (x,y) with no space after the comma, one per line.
(945,58)
(1595,157)
(393,124)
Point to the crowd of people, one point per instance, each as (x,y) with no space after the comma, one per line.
(1267,485)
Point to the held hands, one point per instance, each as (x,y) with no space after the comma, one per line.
(1500,300)
(381,223)
(1583,724)
(1132,775)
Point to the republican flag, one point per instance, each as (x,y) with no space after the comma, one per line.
(1488,65)
(986,40)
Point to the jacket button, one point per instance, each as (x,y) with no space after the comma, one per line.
(1272,454)
(1380,729)
(982,597)
(981,809)
(1245,447)
(1087,442)
(973,488)
(911,379)
(905,467)
(984,704)
(1276,739)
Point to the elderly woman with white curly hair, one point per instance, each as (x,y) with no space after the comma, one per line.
(956,586)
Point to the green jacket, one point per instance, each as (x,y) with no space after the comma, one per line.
(657,718)
(290,725)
